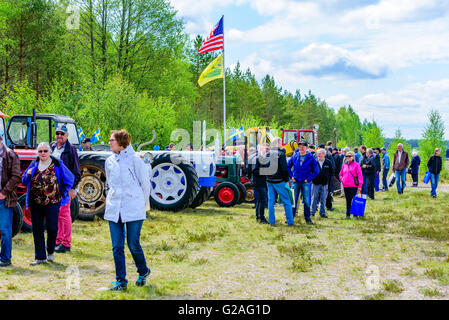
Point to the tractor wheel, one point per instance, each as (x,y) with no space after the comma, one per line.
(174,183)
(226,194)
(74,208)
(201,197)
(249,192)
(26,214)
(17,219)
(242,191)
(92,190)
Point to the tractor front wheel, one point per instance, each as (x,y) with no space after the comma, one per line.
(226,194)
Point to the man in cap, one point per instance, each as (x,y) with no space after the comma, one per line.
(305,169)
(386,168)
(86,144)
(64,151)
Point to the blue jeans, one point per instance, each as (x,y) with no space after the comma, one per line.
(377,182)
(51,214)
(384,178)
(280,189)
(132,235)
(304,188)
(400,179)
(434,178)
(6,231)
(319,194)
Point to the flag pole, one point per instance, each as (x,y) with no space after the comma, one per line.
(224,89)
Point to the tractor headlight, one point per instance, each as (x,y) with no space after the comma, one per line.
(147,158)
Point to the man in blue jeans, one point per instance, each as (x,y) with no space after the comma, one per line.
(277,178)
(10,177)
(400,164)
(305,169)
(386,168)
(435,165)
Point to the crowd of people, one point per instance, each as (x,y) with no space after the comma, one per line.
(51,182)
(314,174)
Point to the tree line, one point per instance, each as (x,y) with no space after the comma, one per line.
(130,64)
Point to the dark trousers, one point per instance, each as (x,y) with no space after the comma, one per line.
(256,195)
(350,193)
(329,198)
(384,179)
(370,184)
(262,202)
(132,235)
(415,179)
(50,213)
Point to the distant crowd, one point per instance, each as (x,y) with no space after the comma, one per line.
(315,174)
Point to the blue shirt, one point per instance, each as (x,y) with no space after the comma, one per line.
(386,161)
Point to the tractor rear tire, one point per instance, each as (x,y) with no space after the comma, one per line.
(242,191)
(226,194)
(17,219)
(174,183)
(249,198)
(202,196)
(92,186)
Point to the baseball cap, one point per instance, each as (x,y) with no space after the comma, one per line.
(62,128)
(303,143)
(86,140)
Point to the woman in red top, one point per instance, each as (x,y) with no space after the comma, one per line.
(352,179)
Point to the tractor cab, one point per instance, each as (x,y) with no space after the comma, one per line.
(26,131)
(291,137)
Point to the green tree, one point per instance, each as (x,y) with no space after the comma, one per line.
(373,136)
(432,138)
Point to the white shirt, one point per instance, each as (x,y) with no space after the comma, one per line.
(57,152)
(399,156)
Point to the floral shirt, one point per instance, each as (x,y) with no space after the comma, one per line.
(45,187)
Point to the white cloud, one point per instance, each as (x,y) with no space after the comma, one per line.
(406,108)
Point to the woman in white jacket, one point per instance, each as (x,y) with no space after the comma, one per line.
(128,182)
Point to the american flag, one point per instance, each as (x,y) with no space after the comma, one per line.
(215,39)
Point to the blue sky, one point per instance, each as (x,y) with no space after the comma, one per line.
(388,59)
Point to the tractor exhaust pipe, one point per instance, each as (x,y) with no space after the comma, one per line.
(147,143)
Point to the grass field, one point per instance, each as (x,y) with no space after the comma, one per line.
(399,251)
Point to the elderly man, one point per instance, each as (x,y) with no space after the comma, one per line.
(386,168)
(9,179)
(64,151)
(277,177)
(305,169)
(320,183)
(401,162)
(369,168)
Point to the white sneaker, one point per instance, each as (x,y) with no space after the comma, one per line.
(51,257)
(36,262)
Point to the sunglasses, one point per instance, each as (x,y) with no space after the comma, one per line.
(349,156)
(43,151)
(60,133)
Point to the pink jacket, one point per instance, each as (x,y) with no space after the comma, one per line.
(347,179)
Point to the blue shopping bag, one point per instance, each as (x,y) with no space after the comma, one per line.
(358,205)
(427,177)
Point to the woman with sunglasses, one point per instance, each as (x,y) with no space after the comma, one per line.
(48,181)
(352,179)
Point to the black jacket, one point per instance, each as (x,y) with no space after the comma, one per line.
(70,159)
(435,164)
(326,172)
(277,171)
(377,162)
(370,165)
(255,163)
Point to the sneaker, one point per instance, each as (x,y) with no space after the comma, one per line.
(348,217)
(62,249)
(309,222)
(331,209)
(5,263)
(118,286)
(51,257)
(324,216)
(142,279)
(37,261)
(263,221)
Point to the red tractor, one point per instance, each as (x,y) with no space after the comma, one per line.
(22,134)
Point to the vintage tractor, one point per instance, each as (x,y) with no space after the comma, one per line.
(178,178)
(229,190)
(291,137)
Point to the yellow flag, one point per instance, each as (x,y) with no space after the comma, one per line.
(213,71)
